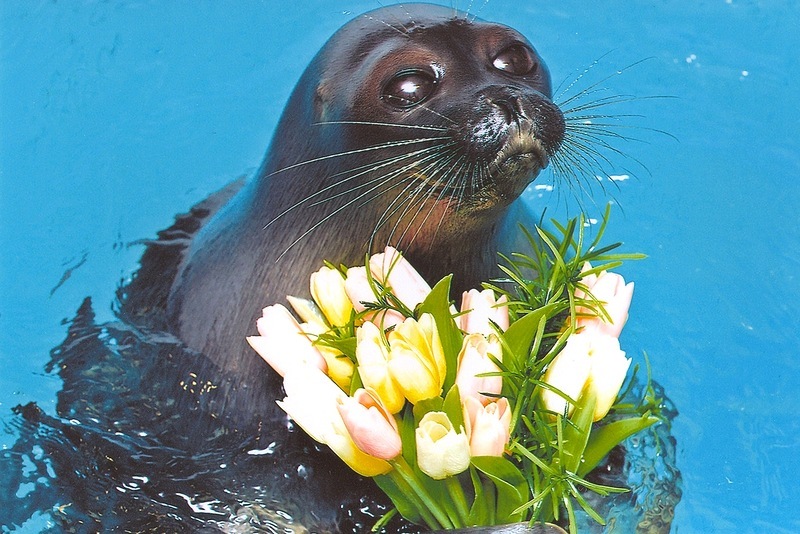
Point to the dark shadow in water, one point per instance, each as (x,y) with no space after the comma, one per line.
(135,445)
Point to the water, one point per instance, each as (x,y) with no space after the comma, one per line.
(117,116)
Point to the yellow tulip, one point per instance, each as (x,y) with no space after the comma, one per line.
(474,360)
(373,367)
(370,424)
(312,401)
(481,307)
(307,311)
(416,358)
(441,451)
(590,359)
(339,367)
(488,427)
(282,343)
(328,290)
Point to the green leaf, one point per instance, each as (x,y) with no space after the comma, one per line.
(437,303)
(609,436)
(519,336)
(483,508)
(512,488)
(576,432)
(407,428)
(452,407)
(400,500)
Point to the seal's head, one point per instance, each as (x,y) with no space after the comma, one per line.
(414,126)
(432,125)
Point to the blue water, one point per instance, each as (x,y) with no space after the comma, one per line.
(116,116)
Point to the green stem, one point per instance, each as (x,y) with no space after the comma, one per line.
(421,507)
(404,470)
(457,495)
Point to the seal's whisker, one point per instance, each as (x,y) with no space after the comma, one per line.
(369,168)
(389,124)
(451,175)
(433,182)
(403,32)
(381,146)
(430,110)
(398,159)
(437,167)
(598,83)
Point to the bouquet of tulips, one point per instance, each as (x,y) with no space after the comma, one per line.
(486,415)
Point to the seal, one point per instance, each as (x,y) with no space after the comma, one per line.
(413,126)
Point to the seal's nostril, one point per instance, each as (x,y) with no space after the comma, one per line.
(507,109)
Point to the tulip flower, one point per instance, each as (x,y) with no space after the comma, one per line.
(481,307)
(308,311)
(416,358)
(327,288)
(590,360)
(359,292)
(473,360)
(282,343)
(370,424)
(395,272)
(441,451)
(339,367)
(488,427)
(615,296)
(373,367)
(312,401)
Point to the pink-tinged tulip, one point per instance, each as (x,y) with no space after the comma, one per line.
(488,427)
(312,401)
(474,360)
(370,424)
(481,307)
(592,361)
(416,358)
(282,343)
(441,451)
(340,367)
(614,295)
(359,291)
(394,271)
(373,367)
(328,290)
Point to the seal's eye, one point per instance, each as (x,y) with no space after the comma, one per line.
(517,59)
(408,88)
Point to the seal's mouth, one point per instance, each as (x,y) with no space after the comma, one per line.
(521,153)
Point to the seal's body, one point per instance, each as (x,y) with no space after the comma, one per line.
(411,127)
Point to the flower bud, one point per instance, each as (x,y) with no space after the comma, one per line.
(359,292)
(394,271)
(416,358)
(373,367)
(474,360)
(340,367)
(488,427)
(481,307)
(312,401)
(371,426)
(328,290)
(441,451)
(590,359)
(282,343)
(615,296)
